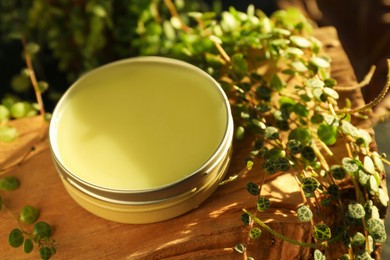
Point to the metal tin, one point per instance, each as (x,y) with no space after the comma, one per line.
(155,203)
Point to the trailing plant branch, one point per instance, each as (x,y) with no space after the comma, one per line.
(363,83)
(374,102)
(277,234)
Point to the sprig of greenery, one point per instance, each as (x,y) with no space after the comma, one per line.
(278,80)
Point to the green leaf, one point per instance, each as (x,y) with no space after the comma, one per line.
(294,51)
(45,253)
(363,255)
(365,136)
(368,164)
(253,188)
(317,118)
(308,153)
(304,213)
(299,66)
(20,109)
(255,233)
(314,83)
(319,62)
(294,146)
(240,248)
(41,230)
(276,83)
(240,133)
(376,229)
(322,232)
(330,92)
(327,134)
(300,41)
(240,65)
(271,133)
(282,164)
(300,134)
(28,215)
(28,246)
(246,219)
(378,161)
(363,177)
(356,210)
(309,184)
(318,255)
(4,113)
(263,204)
(350,165)
(301,110)
(349,129)
(338,172)
(373,184)
(15,238)
(358,239)
(9,183)
(382,195)
(8,133)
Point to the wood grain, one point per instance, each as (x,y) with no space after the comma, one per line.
(208,232)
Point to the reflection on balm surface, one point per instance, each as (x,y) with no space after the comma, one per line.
(139,126)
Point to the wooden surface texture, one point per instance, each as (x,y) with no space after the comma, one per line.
(208,232)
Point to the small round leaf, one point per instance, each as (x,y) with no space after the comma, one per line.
(45,253)
(8,133)
(41,230)
(271,133)
(255,233)
(327,134)
(15,238)
(246,219)
(376,229)
(9,183)
(263,204)
(358,239)
(318,255)
(253,188)
(350,165)
(308,153)
(356,210)
(309,184)
(322,232)
(300,134)
(304,214)
(28,246)
(338,172)
(29,214)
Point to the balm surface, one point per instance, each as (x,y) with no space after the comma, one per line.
(137,125)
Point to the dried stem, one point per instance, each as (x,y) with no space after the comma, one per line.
(172,9)
(33,79)
(362,84)
(374,102)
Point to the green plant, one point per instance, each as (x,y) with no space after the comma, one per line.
(284,97)
(282,94)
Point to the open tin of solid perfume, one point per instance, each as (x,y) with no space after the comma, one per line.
(143,139)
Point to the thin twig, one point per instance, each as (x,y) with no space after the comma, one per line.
(172,9)
(374,102)
(361,84)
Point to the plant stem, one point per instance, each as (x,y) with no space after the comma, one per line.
(277,234)
(33,79)
(361,84)
(374,102)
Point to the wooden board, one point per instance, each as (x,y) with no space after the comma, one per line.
(208,232)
